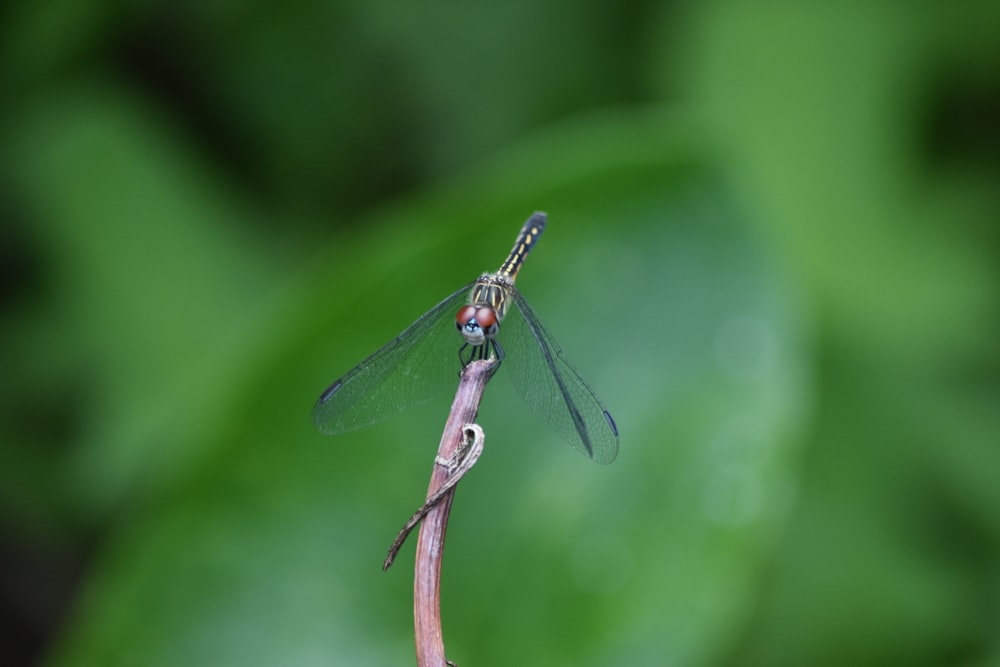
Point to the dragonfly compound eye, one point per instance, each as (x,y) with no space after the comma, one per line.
(477,323)
(464,316)
(487,319)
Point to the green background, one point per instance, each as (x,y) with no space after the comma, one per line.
(772,249)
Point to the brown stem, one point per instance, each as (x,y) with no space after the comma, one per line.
(430,544)
(471,448)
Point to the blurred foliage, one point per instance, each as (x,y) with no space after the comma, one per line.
(772,250)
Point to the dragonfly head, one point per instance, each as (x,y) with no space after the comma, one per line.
(477,324)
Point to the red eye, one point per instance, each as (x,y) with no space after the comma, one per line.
(486,317)
(464,315)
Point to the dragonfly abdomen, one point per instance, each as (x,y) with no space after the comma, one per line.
(526,240)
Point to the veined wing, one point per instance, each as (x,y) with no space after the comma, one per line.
(550,385)
(413,367)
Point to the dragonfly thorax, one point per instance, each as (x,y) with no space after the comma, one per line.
(477,323)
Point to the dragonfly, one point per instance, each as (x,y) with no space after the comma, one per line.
(494,321)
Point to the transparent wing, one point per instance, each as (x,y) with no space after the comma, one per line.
(550,385)
(413,367)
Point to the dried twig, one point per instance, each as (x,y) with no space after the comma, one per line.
(455,456)
(466,457)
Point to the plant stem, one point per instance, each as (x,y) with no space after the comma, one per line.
(430,544)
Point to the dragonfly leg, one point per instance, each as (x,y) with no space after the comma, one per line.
(475,352)
(480,352)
